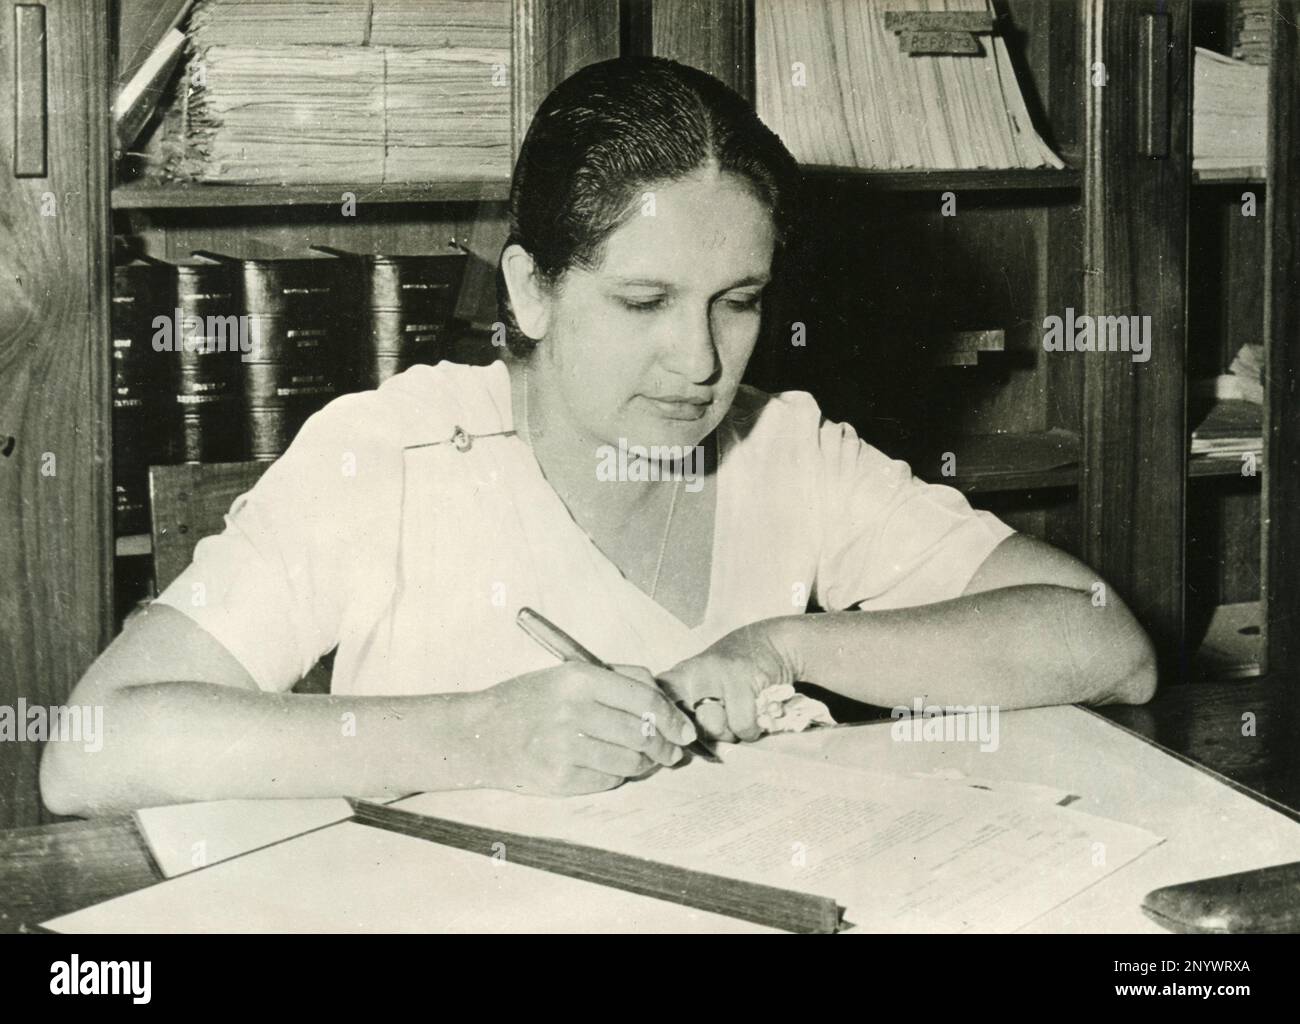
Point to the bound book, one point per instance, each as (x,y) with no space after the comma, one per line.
(401,309)
(205,361)
(141,378)
(293,340)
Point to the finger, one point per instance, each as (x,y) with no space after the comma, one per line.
(586,780)
(609,758)
(637,698)
(712,720)
(640,734)
(638,672)
(688,684)
(742,714)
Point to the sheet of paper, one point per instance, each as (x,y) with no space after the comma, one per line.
(1028,790)
(899,853)
(184,837)
(1210,829)
(355,878)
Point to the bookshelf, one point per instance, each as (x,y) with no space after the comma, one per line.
(1109,234)
(1118,232)
(57,530)
(1225,537)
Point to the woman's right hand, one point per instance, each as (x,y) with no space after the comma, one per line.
(577,729)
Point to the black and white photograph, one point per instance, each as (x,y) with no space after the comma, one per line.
(651,467)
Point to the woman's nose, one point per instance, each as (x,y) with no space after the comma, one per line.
(693,354)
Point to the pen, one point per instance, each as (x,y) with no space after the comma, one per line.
(564,647)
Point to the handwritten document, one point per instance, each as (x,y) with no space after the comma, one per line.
(900,853)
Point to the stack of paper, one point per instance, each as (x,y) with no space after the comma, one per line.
(1244,380)
(1232,427)
(834,83)
(329,91)
(1229,113)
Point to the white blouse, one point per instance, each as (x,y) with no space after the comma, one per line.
(408,525)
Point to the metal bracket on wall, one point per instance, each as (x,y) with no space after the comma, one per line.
(30,125)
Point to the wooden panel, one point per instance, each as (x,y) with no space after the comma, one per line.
(56,869)
(173,234)
(553,39)
(1135,264)
(1282,413)
(55,548)
(141,195)
(189,503)
(716,36)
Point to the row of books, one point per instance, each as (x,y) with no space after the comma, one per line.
(359,91)
(893,84)
(221,358)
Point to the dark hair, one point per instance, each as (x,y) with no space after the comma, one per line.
(610,129)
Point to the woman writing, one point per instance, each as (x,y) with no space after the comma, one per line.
(406,526)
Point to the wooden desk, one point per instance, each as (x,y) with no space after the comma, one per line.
(55,869)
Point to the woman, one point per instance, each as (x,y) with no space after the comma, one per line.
(406,526)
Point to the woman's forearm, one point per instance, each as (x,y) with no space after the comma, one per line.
(1019,646)
(176,742)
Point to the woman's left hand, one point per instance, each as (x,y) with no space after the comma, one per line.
(732,672)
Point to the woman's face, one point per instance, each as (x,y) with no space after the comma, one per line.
(650,346)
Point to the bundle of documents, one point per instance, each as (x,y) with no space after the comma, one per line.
(435,23)
(834,82)
(1229,113)
(1252,30)
(1232,427)
(346,91)
(1244,380)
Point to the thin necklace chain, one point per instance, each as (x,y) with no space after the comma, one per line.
(672,502)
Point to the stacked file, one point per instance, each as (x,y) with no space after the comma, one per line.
(345,91)
(1229,113)
(1233,427)
(834,81)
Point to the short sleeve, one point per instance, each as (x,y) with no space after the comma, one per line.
(271,587)
(890,540)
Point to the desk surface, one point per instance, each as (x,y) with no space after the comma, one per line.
(1243,732)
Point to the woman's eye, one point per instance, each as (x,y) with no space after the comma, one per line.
(744,303)
(643,305)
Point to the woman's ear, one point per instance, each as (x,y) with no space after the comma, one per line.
(528,297)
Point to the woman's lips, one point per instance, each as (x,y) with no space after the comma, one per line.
(680,408)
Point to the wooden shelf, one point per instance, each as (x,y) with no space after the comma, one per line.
(149,196)
(993,463)
(1249,175)
(1042,178)
(1233,644)
(1224,465)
